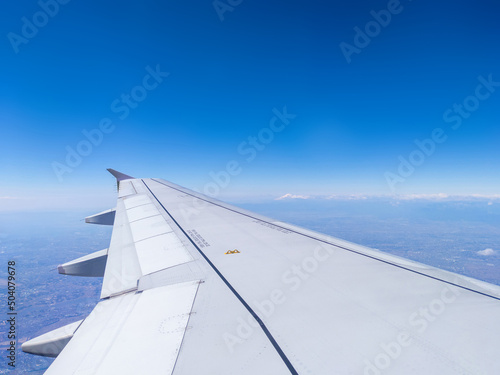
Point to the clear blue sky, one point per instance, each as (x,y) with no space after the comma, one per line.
(356,113)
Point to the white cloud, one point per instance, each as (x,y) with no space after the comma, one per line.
(487,252)
(292,196)
(423,196)
(438,197)
(349,197)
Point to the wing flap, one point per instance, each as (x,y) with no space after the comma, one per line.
(161,252)
(131,334)
(122,267)
(126,188)
(142,242)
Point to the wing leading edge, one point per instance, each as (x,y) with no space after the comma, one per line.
(212,288)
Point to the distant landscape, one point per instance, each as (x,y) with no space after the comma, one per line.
(456,235)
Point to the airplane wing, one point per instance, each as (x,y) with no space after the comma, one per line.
(192,285)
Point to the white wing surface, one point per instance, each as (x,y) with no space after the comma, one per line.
(196,286)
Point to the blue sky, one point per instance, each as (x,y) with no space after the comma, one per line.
(230,71)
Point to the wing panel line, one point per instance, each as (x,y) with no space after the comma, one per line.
(237,295)
(329,243)
(187,326)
